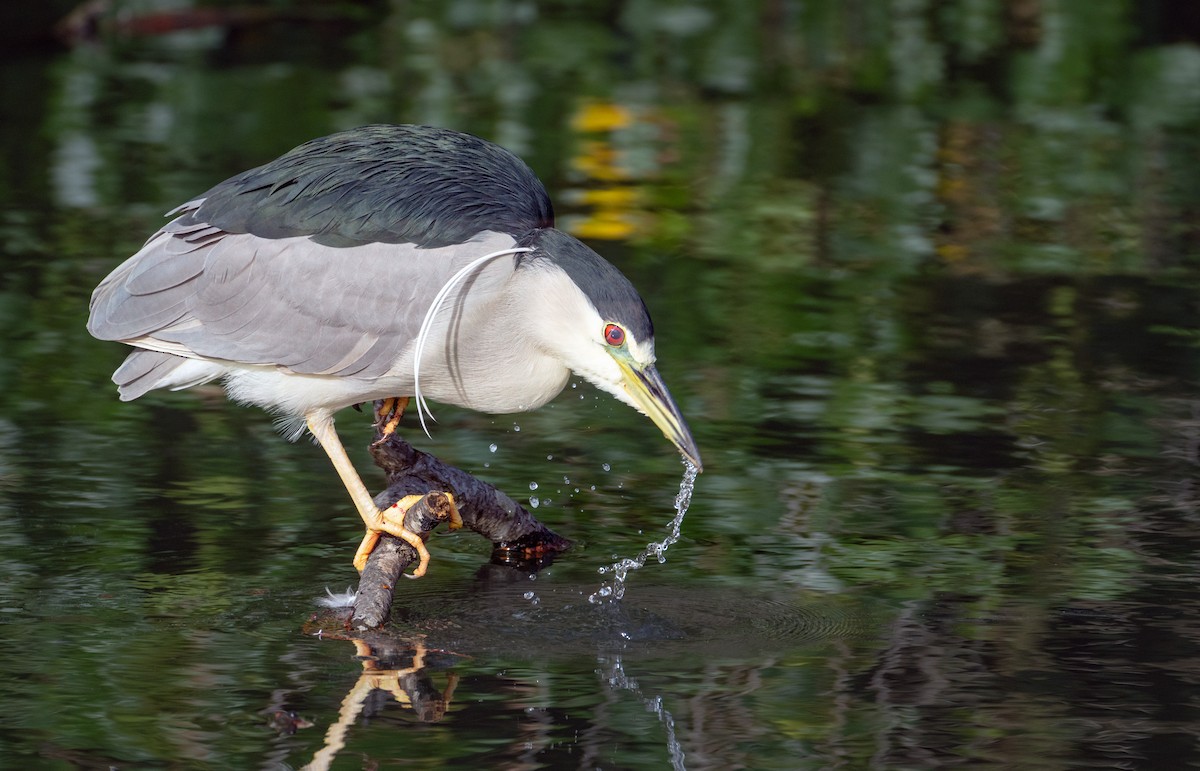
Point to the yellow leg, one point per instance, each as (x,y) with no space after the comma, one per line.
(320,422)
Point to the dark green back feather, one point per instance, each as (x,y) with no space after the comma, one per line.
(385,183)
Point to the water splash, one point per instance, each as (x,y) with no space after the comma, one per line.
(615,590)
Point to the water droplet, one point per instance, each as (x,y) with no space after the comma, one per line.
(529,595)
(534,502)
(566,480)
(492,448)
(533,485)
(516,427)
(606,467)
(549,457)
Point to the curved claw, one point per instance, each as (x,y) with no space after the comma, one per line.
(387,417)
(391,521)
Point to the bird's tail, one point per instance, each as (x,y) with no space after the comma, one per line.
(145,370)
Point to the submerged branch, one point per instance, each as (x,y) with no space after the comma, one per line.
(391,556)
(483,508)
(516,535)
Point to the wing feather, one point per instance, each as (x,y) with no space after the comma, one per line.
(289,302)
(322,261)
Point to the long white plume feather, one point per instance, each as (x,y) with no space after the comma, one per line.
(427,325)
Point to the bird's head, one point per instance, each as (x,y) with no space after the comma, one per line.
(589,316)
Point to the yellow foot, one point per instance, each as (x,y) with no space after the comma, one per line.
(387,417)
(391,521)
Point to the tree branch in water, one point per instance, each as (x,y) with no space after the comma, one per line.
(516,535)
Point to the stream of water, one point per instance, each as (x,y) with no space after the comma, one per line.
(614,590)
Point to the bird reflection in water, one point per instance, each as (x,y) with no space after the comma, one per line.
(410,686)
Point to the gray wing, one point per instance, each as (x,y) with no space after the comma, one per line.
(197,291)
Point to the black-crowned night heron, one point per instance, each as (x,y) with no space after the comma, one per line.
(385,261)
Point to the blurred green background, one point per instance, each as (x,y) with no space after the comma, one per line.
(924,279)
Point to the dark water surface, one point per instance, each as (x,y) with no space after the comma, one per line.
(924,278)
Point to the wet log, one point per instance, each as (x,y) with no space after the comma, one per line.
(377,584)
(516,535)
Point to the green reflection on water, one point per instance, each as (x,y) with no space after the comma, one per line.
(924,281)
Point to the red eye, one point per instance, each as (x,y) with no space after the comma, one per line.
(614,335)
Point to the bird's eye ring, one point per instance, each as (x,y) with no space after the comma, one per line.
(614,335)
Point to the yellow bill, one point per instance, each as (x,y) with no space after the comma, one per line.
(649,394)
